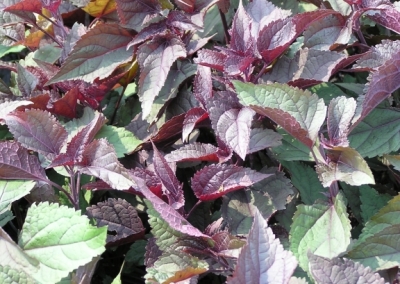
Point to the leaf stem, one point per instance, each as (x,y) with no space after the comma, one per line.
(117,105)
(225,25)
(62,190)
(260,73)
(194,207)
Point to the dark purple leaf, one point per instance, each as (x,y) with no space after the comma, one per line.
(241,39)
(75,33)
(233,128)
(171,130)
(195,44)
(215,181)
(148,33)
(263,138)
(211,58)
(194,152)
(137,14)
(220,103)
(100,160)
(182,21)
(17,163)
(120,217)
(153,252)
(377,55)
(167,176)
(34,6)
(27,82)
(170,215)
(236,64)
(186,5)
(156,58)
(389,18)
(79,142)
(192,117)
(141,128)
(202,86)
(37,130)
(263,257)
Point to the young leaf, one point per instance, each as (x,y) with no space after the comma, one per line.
(215,181)
(336,270)
(100,160)
(156,58)
(169,180)
(194,152)
(263,258)
(299,112)
(17,163)
(11,190)
(345,164)
(119,216)
(88,61)
(241,40)
(310,221)
(60,239)
(37,130)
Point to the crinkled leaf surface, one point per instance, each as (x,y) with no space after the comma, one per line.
(96,54)
(11,275)
(214,181)
(37,130)
(119,216)
(60,239)
(11,190)
(136,14)
(241,39)
(123,141)
(202,85)
(194,152)
(156,58)
(345,164)
(337,270)
(263,259)
(299,112)
(323,229)
(17,163)
(371,202)
(263,138)
(101,161)
(377,55)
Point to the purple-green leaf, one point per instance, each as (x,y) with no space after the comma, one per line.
(194,152)
(138,14)
(263,138)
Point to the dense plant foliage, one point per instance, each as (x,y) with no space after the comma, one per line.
(199,141)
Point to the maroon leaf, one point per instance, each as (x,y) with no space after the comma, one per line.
(120,217)
(241,39)
(170,130)
(194,152)
(156,58)
(215,181)
(210,58)
(37,130)
(27,82)
(17,163)
(235,63)
(220,103)
(202,88)
(34,6)
(389,18)
(170,215)
(263,138)
(234,129)
(377,55)
(192,117)
(149,32)
(75,148)
(153,252)
(153,182)
(182,21)
(169,180)
(100,160)
(136,14)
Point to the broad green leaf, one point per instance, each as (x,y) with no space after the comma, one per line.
(12,275)
(124,141)
(6,217)
(322,228)
(291,149)
(11,190)
(175,266)
(263,259)
(299,112)
(60,239)
(394,160)
(326,91)
(378,133)
(96,55)
(305,179)
(4,50)
(345,164)
(371,201)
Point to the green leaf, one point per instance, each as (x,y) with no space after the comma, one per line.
(291,149)
(11,190)
(6,217)
(347,165)
(96,55)
(323,229)
(378,133)
(394,160)
(305,179)
(327,91)
(371,201)
(299,112)
(11,275)
(60,239)
(124,141)
(4,50)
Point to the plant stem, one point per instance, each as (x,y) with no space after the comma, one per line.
(260,73)
(62,190)
(225,25)
(117,105)
(194,207)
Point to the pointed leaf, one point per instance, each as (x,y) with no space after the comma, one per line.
(7,107)
(137,14)
(13,190)
(37,130)
(194,152)
(119,216)
(345,164)
(331,271)
(241,39)
(233,128)
(192,117)
(215,181)
(101,161)
(93,57)
(377,55)
(156,58)
(59,235)
(17,163)
(323,229)
(27,82)
(202,86)
(299,112)
(212,59)
(263,138)
(340,113)
(263,258)
(169,180)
